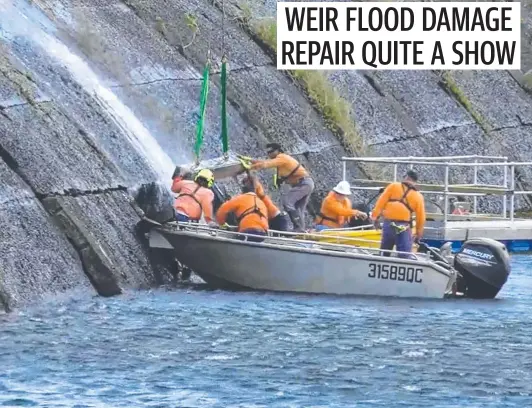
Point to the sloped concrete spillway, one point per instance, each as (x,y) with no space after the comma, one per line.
(99,99)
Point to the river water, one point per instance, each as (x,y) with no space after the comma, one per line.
(194,347)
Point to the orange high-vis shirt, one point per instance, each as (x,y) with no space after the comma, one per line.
(190,206)
(334,213)
(273,211)
(244,204)
(285,164)
(396,210)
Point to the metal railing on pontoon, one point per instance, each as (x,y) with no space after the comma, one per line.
(507,190)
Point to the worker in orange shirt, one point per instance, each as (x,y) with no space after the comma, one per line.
(336,208)
(194,197)
(277,220)
(397,205)
(289,170)
(251,213)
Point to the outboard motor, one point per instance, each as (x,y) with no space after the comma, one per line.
(484,265)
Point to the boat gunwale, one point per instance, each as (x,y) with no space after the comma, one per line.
(291,248)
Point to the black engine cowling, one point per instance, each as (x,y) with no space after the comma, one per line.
(484,264)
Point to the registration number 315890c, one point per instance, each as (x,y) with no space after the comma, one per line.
(394,272)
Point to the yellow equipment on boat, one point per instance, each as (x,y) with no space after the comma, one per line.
(364,238)
(369,238)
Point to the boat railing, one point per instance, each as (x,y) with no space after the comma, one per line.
(294,239)
(507,190)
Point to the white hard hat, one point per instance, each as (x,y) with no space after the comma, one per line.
(343,188)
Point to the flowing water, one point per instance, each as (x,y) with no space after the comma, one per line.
(192,347)
(21,19)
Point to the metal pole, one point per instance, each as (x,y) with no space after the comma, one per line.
(395,172)
(512,189)
(475,179)
(344,170)
(505,197)
(446,196)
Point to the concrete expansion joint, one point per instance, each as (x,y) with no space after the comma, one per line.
(317,149)
(157,81)
(4,106)
(80,193)
(417,136)
(457,126)
(522,123)
(249,67)
(195,78)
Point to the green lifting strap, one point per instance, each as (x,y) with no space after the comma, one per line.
(225,141)
(203,106)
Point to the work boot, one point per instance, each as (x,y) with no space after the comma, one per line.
(296,220)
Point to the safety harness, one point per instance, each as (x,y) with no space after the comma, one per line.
(193,196)
(406,189)
(280,180)
(324,217)
(252,210)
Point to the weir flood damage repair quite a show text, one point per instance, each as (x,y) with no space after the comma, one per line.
(399,35)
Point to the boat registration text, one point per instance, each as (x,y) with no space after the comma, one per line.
(394,272)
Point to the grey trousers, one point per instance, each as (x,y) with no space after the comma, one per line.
(297,197)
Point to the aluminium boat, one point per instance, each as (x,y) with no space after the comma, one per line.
(228,260)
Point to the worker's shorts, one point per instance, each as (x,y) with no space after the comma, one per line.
(280,222)
(181,217)
(402,240)
(260,235)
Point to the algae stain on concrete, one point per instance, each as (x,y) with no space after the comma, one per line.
(461,97)
(527,81)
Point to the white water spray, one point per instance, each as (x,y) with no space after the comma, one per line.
(124,118)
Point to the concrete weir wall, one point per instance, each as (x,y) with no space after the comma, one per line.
(99,100)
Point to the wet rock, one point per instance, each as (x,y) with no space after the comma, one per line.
(155,201)
(60,162)
(95,224)
(36,259)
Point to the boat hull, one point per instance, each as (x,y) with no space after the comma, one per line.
(225,263)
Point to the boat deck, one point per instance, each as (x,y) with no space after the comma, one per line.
(292,240)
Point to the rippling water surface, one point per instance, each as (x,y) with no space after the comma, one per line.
(199,348)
